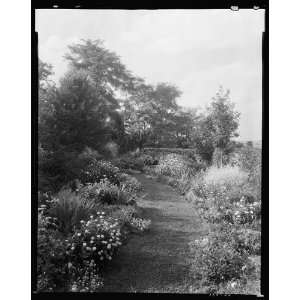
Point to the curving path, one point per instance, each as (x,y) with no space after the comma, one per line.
(158,260)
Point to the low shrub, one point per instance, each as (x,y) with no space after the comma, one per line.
(174,165)
(105,192)
(96,240)
(216,259)
(219,195)
(130,183)
(99,170)
(74,262)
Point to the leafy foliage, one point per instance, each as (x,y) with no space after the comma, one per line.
(217,127)
(216,259)
(100,170)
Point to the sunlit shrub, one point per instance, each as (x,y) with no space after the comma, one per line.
(173,165)
(226,176)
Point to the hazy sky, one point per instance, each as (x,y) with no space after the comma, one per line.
(197,50)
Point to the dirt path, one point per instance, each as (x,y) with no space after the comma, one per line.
(156,261)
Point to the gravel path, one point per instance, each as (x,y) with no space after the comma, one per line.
(158,260)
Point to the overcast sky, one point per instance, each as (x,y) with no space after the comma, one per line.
(197,50)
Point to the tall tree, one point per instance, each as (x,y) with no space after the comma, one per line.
(80,118)
(219,126)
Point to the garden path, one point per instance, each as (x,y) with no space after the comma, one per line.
(157,260)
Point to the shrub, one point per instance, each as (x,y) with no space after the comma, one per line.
(74,263)
(173,165)
(219,195)
(215,259)
(104,192)
(96,240)
(130,183)
(99,170)
(51,258)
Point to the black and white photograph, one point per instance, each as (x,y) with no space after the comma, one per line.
(149,151)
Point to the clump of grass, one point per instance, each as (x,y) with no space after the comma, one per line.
(227,176)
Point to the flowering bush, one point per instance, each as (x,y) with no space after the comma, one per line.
(216,259)
(99,170)
(96,239)
(220,196)
(173,165)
